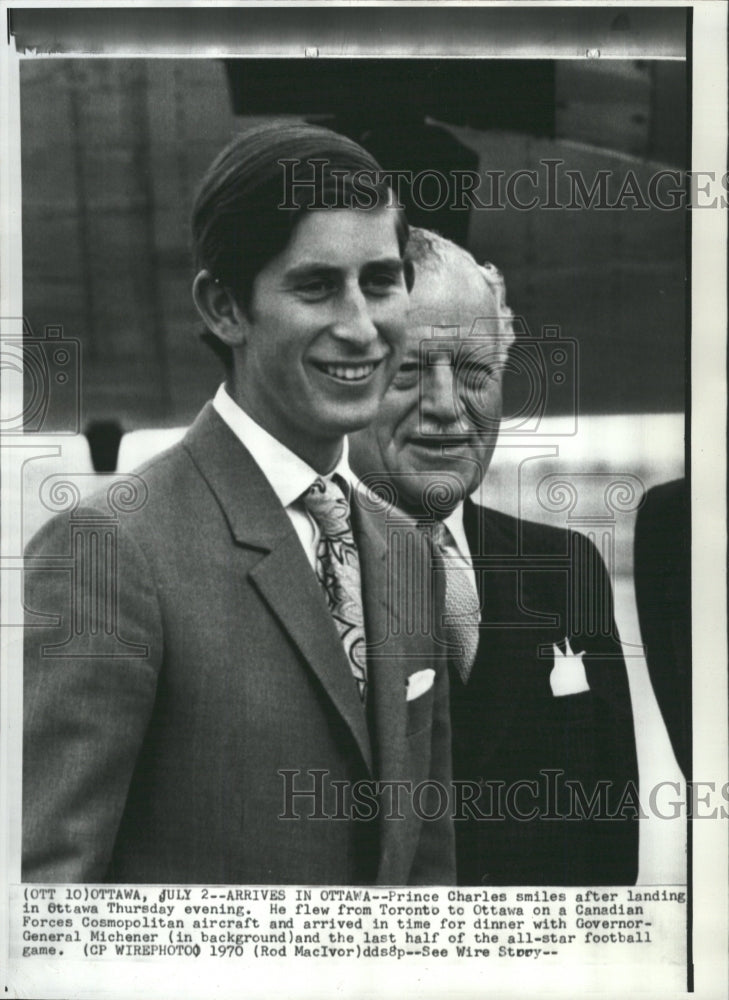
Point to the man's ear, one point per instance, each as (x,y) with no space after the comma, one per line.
(220,312)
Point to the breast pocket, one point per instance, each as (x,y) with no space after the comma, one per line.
(420,713)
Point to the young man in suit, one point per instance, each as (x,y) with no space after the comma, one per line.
(544,758)
(234,703)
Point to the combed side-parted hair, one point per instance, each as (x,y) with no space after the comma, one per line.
(246,207)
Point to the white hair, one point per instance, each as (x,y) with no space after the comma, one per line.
(430,252)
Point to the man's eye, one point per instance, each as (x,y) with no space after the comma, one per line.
(315,289)
(381,282)
(407,375)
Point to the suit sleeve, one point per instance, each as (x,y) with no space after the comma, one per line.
(662,571)
(93,646)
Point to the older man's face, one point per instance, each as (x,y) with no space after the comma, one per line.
(436,428)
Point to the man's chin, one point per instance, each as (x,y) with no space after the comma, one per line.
(445,466)
(431,494)
(352,420)
(347,409)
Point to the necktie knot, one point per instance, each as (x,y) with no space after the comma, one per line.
(328,504)
(441,535)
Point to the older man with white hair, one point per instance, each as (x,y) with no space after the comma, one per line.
(544,754)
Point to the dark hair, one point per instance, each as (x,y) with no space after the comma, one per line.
(247,207)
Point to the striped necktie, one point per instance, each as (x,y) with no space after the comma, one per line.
(462,610)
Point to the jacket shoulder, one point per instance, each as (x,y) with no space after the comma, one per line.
(533,535)
(125,499)
(380,505)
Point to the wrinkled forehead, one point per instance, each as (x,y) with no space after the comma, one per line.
(452,302)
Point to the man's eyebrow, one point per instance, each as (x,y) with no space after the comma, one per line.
(309,268)
(394,264)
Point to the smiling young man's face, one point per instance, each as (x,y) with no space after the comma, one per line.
(323,331)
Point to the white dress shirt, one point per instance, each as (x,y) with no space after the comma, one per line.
(288,475)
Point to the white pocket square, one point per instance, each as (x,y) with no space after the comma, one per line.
(568,674)
(418,683)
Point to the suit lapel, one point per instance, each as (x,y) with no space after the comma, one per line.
(395,577)
(283,576)
(287,583)
(385,656)
(506,656)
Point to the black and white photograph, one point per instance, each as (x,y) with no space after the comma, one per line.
(363,517)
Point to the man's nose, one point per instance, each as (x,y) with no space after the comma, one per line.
(354,321)
(440,401)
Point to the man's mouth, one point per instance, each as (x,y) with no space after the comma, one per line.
(440,441)
(347,372)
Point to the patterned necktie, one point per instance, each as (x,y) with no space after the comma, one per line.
(462,611)
(337,570)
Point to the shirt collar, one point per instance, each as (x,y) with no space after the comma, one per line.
(288,475)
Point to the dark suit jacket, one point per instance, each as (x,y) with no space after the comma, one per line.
(663,595)
(164,695)
(540,585)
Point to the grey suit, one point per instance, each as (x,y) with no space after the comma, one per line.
(162,763)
